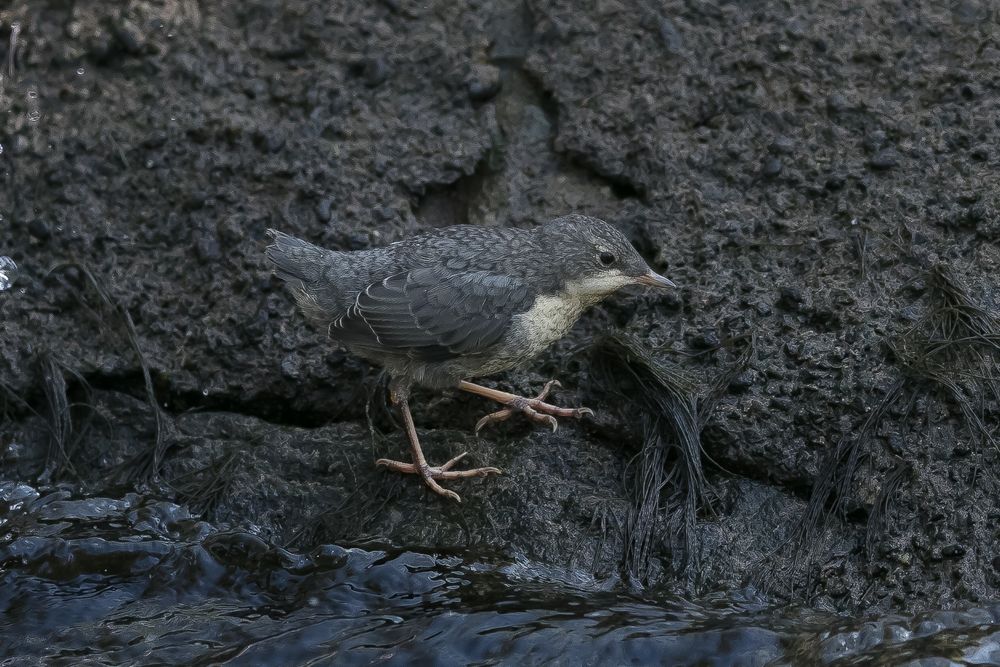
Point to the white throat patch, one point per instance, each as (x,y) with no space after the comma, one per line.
(594,288)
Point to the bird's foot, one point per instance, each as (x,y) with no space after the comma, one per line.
(535,409)
(431,474)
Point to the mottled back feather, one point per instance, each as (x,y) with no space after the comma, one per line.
(442,305)
(432,313)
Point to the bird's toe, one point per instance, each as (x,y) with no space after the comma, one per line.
(453,461)
(398,466)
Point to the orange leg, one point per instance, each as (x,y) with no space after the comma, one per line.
(536,409)
(430,474)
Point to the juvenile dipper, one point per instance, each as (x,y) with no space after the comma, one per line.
(458,303)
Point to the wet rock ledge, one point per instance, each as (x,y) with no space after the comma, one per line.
(811,415)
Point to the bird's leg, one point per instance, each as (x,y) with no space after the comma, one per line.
(536,409)
(430,474)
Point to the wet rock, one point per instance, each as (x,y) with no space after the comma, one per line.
(20,144)
(782,145)
(791,298)
(671,36)
(874,140)
(885,159)
(837,103)
(39,229)
(156,139)
(270,140)
(743,381)
(483,81)
(324,209)
(207,245)
(953,551)
(835,182)
(73,29)
(195,201)
(290,367)
(664,146)
(706,340)
(375,70)
(129,37)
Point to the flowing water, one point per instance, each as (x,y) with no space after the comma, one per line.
(136,581)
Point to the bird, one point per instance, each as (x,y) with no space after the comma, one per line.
(457,303)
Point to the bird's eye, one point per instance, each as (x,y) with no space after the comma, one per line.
(607,258)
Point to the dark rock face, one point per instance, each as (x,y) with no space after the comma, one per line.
(821,184)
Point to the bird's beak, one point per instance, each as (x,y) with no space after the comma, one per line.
(654,279)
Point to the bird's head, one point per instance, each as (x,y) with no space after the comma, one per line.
(597,259)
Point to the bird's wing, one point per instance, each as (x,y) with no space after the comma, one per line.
(433,314)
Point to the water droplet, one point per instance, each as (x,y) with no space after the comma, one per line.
(149,164)
(15,29)
(8,273)
(1,149)
(34,115)
(81,71)
(32,94)
(204,392)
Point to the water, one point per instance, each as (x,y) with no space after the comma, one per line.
(34,113)
(8,273)
(135,580)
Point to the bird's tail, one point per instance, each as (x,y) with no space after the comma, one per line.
(295,259)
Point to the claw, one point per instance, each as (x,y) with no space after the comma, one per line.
(548,387)
(453,461)
(493,417)
(430,474)
(535,409)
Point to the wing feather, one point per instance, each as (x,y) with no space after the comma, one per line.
(433,313)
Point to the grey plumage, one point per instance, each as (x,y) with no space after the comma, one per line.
(461,301)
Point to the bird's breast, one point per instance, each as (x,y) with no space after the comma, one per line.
(548,320)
